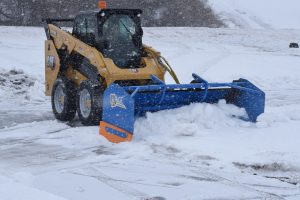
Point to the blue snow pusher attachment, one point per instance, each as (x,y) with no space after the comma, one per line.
(122,105)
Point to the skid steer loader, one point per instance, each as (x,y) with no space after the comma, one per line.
(102,71)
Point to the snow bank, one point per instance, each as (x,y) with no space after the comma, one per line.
(14,82)
(259,14)
(16,85)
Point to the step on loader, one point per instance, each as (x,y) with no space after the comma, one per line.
(103,71)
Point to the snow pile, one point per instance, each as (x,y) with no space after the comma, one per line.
(15,84)
(259,14)
(189,121)
(36,92)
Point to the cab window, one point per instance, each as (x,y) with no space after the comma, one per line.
(118,32)
(86,29)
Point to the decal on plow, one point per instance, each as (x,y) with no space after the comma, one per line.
(116,101)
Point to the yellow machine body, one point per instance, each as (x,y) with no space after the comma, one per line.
(109,71)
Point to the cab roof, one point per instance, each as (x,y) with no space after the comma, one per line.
(112,11)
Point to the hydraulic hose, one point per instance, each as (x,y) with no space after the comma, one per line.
(168,68)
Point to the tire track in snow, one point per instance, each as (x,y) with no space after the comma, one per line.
(202,172)
(235,184)
(114,183)
(225,53)
(10,118)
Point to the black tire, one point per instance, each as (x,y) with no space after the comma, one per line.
(64,110)
(91,93)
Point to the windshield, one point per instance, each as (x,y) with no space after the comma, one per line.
(119,32)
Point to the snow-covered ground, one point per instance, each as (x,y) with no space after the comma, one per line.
(195,152)
(259,14)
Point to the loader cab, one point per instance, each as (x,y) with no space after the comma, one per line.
(116,33)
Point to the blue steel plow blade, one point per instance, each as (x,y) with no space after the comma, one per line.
(122,105)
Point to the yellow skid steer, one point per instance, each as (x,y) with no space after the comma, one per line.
(102,71)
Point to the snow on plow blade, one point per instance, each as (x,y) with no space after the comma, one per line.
(122,105)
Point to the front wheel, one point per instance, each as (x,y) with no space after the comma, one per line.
(89,103)
(63,99)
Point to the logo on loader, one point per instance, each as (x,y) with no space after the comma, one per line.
(51,62)
(116,101)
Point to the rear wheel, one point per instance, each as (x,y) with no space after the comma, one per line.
(89,103)
(63,99)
